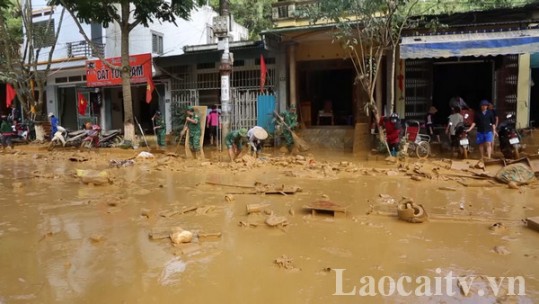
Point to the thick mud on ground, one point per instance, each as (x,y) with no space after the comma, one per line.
(71,239)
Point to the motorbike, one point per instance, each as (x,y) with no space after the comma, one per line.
(509,138)
(462,137)
(20,133)
(110,138)
(92,138)
(65,138)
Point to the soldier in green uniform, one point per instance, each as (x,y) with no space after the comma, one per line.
(193,124)
(234,142)
(159,129)
(291,119)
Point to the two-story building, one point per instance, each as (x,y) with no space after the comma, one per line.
(73,60)
(477,55)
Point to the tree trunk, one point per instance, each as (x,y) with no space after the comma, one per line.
(392,79)
(129,127)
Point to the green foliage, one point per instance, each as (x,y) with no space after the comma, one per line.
(144,11)
(12,37)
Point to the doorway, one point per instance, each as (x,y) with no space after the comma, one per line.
(472,81)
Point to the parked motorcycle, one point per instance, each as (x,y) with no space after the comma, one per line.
(64,138)
(509,138)
(462,137)
(110,138)
(20,133)
(92,138)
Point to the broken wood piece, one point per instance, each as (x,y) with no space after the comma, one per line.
(169,213)
(533,223)
(228,185)
(209,235)
(447,188)
(160,233)
(476,184)
(258,207)
(274,220)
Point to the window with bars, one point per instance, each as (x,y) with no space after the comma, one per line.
(157,43)
(43,33)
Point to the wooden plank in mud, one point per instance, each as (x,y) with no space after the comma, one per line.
(477,184)
(533,223)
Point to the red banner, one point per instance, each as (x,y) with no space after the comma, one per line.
(83,104)
(99,75)
(10,95)
(263,72)
(149,90)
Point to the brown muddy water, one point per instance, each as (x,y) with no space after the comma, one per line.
(62,241)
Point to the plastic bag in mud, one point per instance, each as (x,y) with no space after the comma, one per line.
(518,173)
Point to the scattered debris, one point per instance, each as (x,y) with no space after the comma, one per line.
(274,220)
(258,207)
(229,197)
(77,158)
(121,163)
(417,178)
(512,185)
(411,212)
(519,173)
(146,212)
(533,223)
(499,226)
(181,236)
(447,188)
(146,155)
(93,177)
(204,210)
(208,236)
(501,250)
(325,206)
(291,212)
(96,238)
(285,262)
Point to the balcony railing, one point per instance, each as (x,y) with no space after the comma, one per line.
(83,49)
(283,10)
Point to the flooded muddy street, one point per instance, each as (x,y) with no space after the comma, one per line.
(63,240)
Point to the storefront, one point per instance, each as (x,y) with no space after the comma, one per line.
(107,85)
(492,65)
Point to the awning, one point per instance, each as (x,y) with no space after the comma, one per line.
(470,44)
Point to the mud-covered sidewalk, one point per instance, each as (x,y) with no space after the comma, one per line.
(118,226)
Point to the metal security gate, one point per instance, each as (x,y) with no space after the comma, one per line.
(244,113)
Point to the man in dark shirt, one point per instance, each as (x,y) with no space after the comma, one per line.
(486,128)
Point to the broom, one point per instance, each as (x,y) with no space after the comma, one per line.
(301,144)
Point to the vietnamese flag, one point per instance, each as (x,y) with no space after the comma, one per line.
(83,104)
(263,72)
(10,95)
(149,90)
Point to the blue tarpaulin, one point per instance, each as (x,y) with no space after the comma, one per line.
(470,44)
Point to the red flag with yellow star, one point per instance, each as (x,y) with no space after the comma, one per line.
(83,104)
(149,90)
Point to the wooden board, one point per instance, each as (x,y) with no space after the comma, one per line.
(325,205)
(533,223)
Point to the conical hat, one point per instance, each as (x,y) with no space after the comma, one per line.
(260,133)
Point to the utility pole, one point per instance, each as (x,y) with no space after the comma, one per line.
(221,26)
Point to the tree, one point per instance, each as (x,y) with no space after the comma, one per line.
(127,14)
(25,68)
